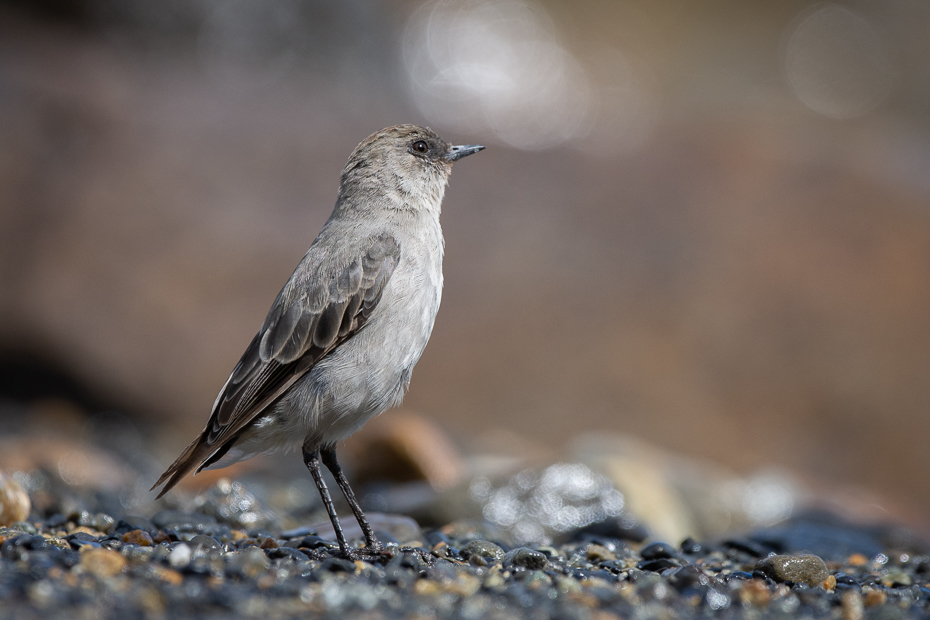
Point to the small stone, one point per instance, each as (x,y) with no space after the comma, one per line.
(851,604)
(138,537)
(873,598)
(807,569)
(658,551)
(857,559)
(527,558)
(482,549)
(180,555)
(755,593)
(99,521)
(14,501)
(599,553)
(102,563)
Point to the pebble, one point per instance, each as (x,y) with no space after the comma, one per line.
(482,549)
(527,558)
(180,555)
(14,501)
(68,571)
(599,553)
(657,551)
(102,563)
(807,569)
(138,537)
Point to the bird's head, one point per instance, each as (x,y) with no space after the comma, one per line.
(410,164)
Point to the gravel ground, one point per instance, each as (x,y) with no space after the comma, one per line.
(191,565)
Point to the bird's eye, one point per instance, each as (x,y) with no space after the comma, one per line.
(420,146)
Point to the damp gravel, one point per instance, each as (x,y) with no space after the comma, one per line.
(196,565)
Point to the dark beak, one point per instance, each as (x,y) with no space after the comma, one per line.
(458,152)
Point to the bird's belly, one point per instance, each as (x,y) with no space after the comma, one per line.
(367,374)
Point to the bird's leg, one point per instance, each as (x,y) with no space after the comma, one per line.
(328,453)
(312,461)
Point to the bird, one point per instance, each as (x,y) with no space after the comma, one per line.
(340,340)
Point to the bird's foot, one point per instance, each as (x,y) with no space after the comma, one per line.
(373,553)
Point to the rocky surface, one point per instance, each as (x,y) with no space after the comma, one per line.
(562,539)
(210,564)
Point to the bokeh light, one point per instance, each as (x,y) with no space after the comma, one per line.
(836,62)
(496,65)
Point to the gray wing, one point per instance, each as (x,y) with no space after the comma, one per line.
(306,322)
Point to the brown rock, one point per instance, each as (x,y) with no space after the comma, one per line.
(102,563)
(873,598)
(755,593)
(809,569)
(405,446)
(14,501)
(138,537)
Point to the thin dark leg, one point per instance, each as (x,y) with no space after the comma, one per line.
(328,453)
(312,461)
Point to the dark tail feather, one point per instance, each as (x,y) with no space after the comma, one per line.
(192,456)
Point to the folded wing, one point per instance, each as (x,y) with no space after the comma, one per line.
(308,320)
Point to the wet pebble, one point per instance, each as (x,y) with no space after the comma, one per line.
(527,558)
(102,563)
(657,550)
(180,555)
(482,549)
(138,537)
(807,569)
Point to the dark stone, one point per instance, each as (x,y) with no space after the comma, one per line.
(657,565)
(751,547)
(603,574)
(336,565)
(845,579)
(130,523)
(686,577)
(527,558)
(657,550)
(482,549)
(691,546)
(315,542)
(807,569)
(287,552)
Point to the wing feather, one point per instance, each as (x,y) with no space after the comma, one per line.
(305,324)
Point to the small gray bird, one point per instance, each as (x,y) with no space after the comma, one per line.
(341,339)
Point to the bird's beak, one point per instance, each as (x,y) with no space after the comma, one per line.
(458,152)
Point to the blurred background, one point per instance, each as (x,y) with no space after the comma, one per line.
(705,226)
